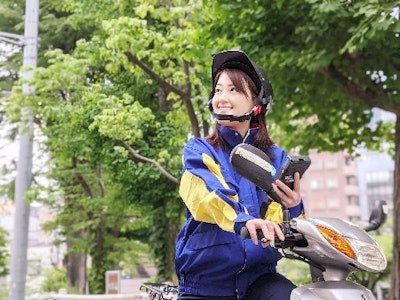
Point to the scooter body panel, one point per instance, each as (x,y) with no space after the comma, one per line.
(332,290)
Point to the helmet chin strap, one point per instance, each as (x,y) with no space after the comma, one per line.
(242,118)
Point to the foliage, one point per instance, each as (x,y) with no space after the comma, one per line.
(4,254)
(129,254)
(55,279)
(65,113)
(55,30)
(4,262)
(296,271)
(120,117)
(310,72)
(10,54)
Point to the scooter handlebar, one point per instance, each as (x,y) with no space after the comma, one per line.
(291,237)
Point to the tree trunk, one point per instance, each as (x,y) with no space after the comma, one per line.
(172,230)
(99,263)
(395,286)
(75,264)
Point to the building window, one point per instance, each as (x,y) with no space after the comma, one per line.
(351,180)
(381,176)
(333,203)
(331,183)
(331,164)
(348,161)
(353,200)
(316,165)
(318,204)
(315,184)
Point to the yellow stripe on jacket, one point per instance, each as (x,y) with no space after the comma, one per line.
(206,206)
(274,213)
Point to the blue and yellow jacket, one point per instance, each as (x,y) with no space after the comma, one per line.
(211,258)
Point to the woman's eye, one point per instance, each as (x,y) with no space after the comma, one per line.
(218,91)
(233,90)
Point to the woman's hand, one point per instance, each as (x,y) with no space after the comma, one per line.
(268,228)
(290,198)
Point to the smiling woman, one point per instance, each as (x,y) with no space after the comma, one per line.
(212,261)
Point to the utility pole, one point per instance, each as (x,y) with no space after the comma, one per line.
(19,245)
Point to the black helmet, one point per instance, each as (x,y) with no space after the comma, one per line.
(237,59)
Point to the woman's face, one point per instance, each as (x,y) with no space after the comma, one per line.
(228,100)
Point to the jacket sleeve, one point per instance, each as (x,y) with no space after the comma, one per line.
(205,190)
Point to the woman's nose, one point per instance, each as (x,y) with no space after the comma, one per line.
(221,95)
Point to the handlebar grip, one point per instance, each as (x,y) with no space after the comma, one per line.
(244,233)
(292,238)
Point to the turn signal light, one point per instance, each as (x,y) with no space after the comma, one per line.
(337,241)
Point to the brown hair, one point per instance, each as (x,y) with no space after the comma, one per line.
(240,80)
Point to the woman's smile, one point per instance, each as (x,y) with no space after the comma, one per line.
(224,109)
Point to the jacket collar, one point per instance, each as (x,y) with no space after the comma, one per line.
(233,137)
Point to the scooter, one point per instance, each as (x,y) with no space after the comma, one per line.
(332,247)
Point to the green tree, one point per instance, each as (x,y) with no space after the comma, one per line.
(100,185)
(160,41)
(77,159)
(55,32)
(165,30)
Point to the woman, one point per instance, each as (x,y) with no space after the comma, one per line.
(212,261)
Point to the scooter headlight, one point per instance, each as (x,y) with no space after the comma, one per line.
(369,256)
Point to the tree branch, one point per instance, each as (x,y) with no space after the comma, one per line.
(100,182)
(140,158)
(358,93)
(164,84)
(81,180)
(187,100)
(169,4)
(185,94)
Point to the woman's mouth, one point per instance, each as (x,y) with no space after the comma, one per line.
(224,109)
